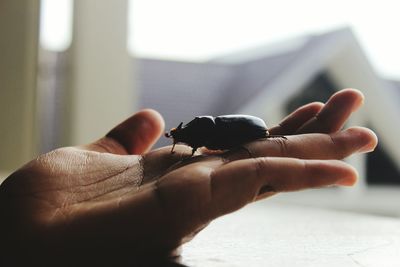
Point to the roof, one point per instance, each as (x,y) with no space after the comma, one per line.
(258,82)
(182,90)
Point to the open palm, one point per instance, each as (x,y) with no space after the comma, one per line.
(113,202)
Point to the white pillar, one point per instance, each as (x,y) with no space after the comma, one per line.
(19,26)
(102,94)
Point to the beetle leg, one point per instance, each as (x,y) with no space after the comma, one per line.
(172,150)
(193,150)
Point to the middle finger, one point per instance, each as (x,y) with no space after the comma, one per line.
(310,146)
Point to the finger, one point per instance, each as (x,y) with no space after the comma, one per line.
(157,162)
(296,119)
(240,182)
(311,146)
(335,112)
(135,135)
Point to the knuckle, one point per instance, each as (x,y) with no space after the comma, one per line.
(212,184)
(308,173)
(258,167)
(325,126)
(255,180)
(334,144)
(339,147)
(282,146)
(285,127)
(312,173)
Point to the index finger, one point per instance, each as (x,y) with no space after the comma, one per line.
(335,113)
(319,118)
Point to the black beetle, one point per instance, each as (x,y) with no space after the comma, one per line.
(219,133)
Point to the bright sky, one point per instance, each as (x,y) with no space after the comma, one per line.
(197,30)
(200,29)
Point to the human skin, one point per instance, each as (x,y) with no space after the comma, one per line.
(116,202)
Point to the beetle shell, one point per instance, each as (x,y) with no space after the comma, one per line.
(233,130)
(219,133)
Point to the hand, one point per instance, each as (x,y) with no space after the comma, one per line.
(112,202)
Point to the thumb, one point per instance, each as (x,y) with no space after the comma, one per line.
(135,135)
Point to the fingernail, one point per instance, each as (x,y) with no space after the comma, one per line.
(366,149)
(371,143)
(361,137)
(348,180)
(360,101)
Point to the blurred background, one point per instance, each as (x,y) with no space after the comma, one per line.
(71,70)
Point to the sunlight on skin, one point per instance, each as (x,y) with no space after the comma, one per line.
(111,202)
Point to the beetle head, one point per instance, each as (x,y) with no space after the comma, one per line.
(174,132)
